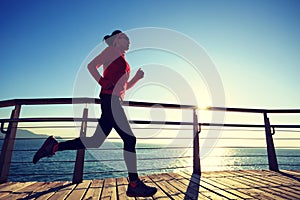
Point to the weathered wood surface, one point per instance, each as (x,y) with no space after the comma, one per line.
(242,184)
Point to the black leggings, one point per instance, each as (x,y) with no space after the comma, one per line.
(113,116)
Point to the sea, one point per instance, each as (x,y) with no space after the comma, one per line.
(107,161)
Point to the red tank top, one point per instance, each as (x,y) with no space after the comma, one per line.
(118,73)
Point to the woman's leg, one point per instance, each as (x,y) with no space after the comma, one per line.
(136,187)
(102,131)
(122,127)
(69,145)
(51,145)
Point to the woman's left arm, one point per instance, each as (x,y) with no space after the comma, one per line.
(138,76)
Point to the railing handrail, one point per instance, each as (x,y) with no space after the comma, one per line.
(89,100)
(253,110)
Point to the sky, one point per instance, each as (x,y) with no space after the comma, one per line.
(254,44)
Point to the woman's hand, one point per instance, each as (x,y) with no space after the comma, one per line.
(139,74)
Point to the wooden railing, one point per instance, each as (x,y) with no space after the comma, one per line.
(9,128)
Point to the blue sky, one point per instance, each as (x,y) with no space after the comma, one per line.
(255,45)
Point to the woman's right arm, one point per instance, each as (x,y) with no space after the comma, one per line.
(98,61)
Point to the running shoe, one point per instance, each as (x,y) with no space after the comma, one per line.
(46,150)
(139,189)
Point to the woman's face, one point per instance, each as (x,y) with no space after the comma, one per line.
(123,42)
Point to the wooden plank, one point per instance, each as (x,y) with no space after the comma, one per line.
(5,188)
(237,173)
(94,191)
(285,193)
(254,189)
(230,174)
(264,180)
(3,185)
(162,182)
(259,189)
(284,180)
(24,192)
(97,183)
(15,186)
(265,192)
(182,187)
(79,190)
(63,191)
(9,189)
(233,187)
(159,194)
(189,188)
(258,194)
(208,174)
(247,173)
(176,186)
(249,182)
(217,188)
(295,189)
(292,190)
(260,173)
(109,189)
(292,172)
(4,194)
(45,190)
(92,194)
(203,190)
(277,194)
(211,185)
(250,186)
(186,181)
(232,182)
(122,188)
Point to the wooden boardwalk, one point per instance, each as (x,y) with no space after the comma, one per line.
(243,184)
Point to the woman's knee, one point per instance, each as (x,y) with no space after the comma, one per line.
(90,142)
(94,141)
(129,144)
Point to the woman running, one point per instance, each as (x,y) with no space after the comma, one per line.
(114,83)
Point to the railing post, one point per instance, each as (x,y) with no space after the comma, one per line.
(79,164)
(8,145)
(272,159)
(196,147)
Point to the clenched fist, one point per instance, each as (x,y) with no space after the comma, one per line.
(139,74)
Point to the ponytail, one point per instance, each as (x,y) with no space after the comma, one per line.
(109,39)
